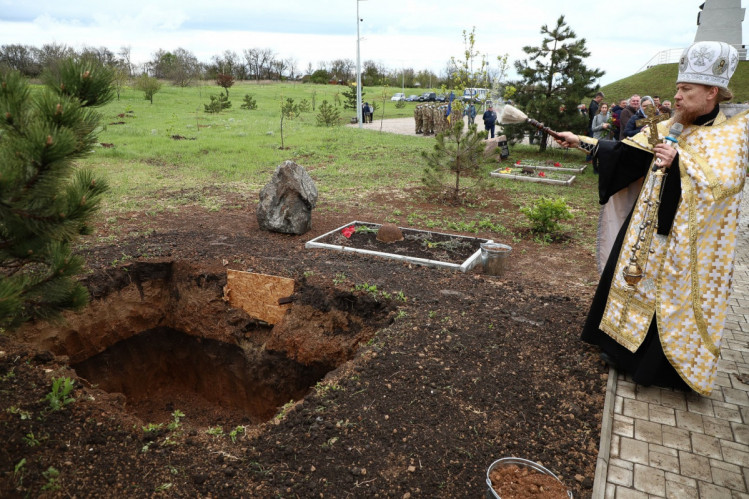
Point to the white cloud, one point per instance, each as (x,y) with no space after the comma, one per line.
(397,33)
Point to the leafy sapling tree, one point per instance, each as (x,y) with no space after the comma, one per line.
(120,78)
(458,151)
(225,81)
(554,79)
(46,201)
(289,111)
(148,85)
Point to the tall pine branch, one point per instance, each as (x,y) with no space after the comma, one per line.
(46,200)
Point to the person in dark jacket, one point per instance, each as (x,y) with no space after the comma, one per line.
(627,112)
(367,113)
(593,110)
(631,129)
(490,120)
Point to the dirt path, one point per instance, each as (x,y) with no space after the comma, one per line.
(405,126)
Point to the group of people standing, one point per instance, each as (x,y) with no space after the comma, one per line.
(430,119)
(367,113)
(619,121)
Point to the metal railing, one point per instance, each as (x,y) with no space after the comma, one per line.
(670,56)
(663,57)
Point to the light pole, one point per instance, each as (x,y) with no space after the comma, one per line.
(358,69)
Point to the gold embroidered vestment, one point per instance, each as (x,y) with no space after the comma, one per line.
(688,273)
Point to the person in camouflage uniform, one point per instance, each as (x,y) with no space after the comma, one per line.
(418,119)
(443,118)
(428,119)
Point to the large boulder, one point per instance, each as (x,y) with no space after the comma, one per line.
(286,202)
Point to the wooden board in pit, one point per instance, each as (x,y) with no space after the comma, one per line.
(258,294)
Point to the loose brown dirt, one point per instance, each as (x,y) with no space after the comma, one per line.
(514,482)
(354,394)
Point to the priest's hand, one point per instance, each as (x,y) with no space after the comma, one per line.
(664,155)
(568,139)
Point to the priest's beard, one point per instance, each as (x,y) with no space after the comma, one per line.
(685,117)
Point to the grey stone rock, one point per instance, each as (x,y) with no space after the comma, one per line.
(287,201)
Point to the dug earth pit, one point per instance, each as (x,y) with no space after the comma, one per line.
(160,336)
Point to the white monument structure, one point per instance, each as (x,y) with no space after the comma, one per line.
(720,20)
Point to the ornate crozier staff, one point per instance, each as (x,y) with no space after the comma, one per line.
(633,272)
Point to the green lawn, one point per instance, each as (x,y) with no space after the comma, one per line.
(237,150)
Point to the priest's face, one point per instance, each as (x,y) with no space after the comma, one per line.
(693,100)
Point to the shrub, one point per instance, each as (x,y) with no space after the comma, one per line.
(328,115)
(545,213)
(148,85)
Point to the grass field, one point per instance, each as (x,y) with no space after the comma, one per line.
(237,150)
(661,80)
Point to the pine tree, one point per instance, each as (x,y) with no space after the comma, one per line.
(458,151)
(350,95)
(218,103)
(328,115)
(46,201)
(249,102)
(554,80)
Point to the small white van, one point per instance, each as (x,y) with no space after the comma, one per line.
(475,94)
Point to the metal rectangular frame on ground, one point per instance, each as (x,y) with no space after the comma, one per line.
(468,264)
(552,168)
(526,178)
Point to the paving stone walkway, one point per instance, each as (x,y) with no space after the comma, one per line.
(657,442)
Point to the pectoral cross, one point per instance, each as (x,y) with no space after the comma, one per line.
(652,121)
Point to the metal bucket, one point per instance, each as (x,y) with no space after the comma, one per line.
(495,256)
(520,462)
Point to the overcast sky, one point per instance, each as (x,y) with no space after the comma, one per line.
(621,36)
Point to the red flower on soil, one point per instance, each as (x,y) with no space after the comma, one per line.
(348,231)
(517,162)
(541,174)
(557,164)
